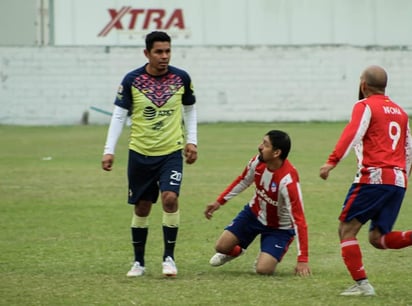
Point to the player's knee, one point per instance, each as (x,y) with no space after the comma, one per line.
(264,270)
(265,264)
(169,200)
(142,209)
(375,239)
(221,247)
(376,243)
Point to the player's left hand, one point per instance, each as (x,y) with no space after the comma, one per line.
(302,269)
(190,153)
(210,209)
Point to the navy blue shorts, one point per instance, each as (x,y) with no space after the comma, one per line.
(246,227)
(376,202)
(149,174)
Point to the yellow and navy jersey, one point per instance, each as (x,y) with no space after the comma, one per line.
(155,105)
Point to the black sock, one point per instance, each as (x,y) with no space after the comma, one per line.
(139,236)
(169,238)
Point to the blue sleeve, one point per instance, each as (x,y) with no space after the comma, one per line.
(189,97)
(124,93)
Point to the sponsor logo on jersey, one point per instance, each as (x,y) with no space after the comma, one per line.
(262,194)
(149,113)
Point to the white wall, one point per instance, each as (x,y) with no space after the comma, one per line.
(56,85)
(19,22)
(234,22)
(250,60)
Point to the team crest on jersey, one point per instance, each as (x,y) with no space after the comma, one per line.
(120,92)
(273,187)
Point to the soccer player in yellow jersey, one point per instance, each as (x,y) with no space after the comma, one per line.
(161,103)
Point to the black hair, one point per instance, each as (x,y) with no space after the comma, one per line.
(280,140)
(154,36)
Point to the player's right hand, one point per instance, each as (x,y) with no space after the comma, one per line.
(107,162)
(325,169)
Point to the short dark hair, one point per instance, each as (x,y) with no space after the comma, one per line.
(280,140)
(154,36)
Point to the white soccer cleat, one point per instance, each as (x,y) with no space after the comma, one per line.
(136,270)
(169,267)
(220,259)
(362,289)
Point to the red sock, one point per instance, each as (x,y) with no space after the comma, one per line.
(352,257)
(397,240)
(235,252)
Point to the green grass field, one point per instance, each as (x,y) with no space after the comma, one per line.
(65,236)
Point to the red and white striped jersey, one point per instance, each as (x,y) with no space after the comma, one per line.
(380,135)
(277,201)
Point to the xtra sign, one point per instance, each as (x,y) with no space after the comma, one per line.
(138,19)
(104,22)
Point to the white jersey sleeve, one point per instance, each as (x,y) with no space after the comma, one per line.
(190,119)
(115,129)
